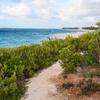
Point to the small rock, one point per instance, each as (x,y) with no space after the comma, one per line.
(79,69)
(65,98)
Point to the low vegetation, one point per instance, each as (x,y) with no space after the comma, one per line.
(82,51)
(18,64)
(81,62)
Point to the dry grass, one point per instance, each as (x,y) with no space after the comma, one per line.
(84,85)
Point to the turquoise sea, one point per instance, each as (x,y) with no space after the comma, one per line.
(18,37)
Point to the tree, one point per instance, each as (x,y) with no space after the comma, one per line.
(98,24)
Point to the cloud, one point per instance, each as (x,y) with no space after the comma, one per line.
(81,11)
(44,8)
(72,11)
(18,10)
(65,11)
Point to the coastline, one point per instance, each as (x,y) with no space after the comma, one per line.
(53,36)
(34,58)
(63,36)
(16,38)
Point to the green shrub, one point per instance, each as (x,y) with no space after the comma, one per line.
(17,64)
(82,51)
(70,59)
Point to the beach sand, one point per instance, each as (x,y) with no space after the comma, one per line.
(40,87)
(63,36)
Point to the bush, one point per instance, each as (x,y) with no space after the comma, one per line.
(17,64)
(90,46)
(82,51)
(70,58)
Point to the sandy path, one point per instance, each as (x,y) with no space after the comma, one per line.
(40,87)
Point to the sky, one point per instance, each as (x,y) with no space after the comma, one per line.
(48,13)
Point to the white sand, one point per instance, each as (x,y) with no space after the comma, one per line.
(40,86)
(63,36)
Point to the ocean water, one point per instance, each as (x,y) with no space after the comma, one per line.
(10,38)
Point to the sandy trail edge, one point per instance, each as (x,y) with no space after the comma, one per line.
(39,87)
